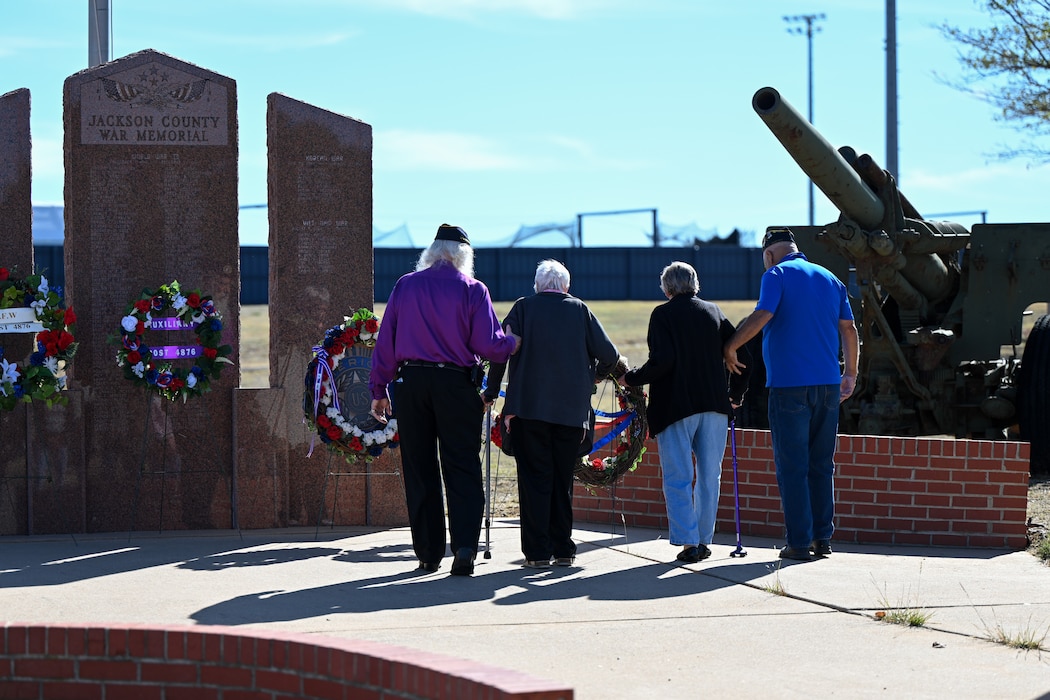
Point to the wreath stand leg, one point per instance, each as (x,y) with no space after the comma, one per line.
(142,464)
(623,519)
(324,490)
(4,479)
(367,473)
(49,478)
(167,435)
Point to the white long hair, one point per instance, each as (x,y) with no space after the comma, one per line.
(459,255)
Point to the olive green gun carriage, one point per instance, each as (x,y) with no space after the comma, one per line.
(939,307)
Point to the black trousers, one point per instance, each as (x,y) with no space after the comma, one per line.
(546,454)
(439,412)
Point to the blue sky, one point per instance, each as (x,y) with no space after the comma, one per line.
(493,114)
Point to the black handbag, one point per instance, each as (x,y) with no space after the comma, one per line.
(587,444)
(502,437)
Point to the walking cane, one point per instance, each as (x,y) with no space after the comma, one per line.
(739,551)
(488,482)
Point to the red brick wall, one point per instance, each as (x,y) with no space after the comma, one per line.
(888,490)
(213,663)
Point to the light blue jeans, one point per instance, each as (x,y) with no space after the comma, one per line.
(693,505)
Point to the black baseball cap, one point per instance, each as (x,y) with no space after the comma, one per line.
(777,235)
(448,232)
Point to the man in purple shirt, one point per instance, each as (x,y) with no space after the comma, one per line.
(438,326)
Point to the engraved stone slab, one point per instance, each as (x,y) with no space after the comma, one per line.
(16,206)
(151,197)
(320,246)
(16,251)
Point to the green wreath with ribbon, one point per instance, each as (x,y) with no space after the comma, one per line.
(152,367)
(31,305)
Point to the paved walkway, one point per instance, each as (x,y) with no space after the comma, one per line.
(623,623)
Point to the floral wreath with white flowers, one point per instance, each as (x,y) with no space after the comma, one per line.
(321,400)
(30,304)
(150,367)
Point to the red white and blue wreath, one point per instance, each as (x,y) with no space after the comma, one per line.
(355,439)
(627,427)
(31,305)
(151,367)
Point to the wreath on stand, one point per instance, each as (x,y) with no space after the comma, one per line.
(628,427)
(150,367)
(357,437)
(30,304)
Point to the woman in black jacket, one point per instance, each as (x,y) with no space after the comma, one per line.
(691,396)
(548,404)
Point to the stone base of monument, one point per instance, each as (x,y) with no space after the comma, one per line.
(321,490)
(42,468)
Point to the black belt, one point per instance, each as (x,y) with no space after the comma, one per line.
(441,365)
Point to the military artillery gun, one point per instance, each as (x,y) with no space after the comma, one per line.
(935,303)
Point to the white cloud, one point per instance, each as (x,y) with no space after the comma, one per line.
(419,150)
(11,45)
(970,178)
(464,9)
(278,42)
(405,150)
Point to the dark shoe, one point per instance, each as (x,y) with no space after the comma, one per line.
(429,567)
(565,561)
(537,563)
(691,555)
(790,552)
(703,551)
(821,548)
(463,564)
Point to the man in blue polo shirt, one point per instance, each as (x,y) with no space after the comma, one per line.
(807,317)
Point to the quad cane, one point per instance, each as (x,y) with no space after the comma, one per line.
(739,551)
(488,482)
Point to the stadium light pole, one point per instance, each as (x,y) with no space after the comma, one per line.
(809,30)
(891,90)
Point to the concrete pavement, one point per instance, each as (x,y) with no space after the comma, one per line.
(625,622)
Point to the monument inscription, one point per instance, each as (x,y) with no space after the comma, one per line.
(154,105)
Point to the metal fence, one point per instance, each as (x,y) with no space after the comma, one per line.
(726,272)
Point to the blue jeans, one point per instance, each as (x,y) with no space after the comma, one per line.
(692,506)
(804,423)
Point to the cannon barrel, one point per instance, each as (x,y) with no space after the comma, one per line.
(818,159)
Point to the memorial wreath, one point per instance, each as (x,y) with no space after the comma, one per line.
(321,400)
(151,367)
(30,305)
(627,427)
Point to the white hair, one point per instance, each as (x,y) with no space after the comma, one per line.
(459,255)
(679,278)
(551,275)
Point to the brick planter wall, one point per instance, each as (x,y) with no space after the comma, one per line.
(218,663)
(888,490)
